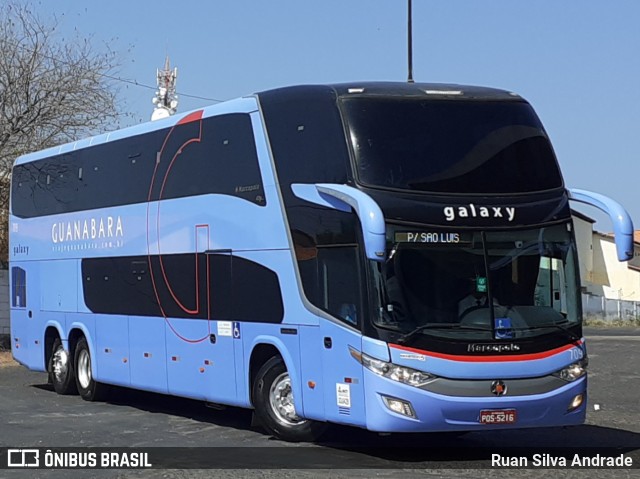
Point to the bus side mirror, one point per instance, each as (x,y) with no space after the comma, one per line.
(622,224)
(346,198)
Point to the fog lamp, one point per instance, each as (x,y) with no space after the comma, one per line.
(399,406)
(576,402)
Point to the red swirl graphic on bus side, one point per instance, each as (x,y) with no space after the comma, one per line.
(177,152)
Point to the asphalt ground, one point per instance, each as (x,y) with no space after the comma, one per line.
(32,415)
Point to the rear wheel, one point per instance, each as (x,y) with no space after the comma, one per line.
(88,388)
(60,369)
(274,409)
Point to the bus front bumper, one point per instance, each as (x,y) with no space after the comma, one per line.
(390,406)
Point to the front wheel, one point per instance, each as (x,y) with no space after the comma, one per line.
(274,409)
(88,388)
(60,369)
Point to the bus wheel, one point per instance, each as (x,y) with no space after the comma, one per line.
(60,369)
(273,401)
(88,388)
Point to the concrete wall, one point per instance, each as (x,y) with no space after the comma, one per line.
(4,302)
(601,274)
(617,279)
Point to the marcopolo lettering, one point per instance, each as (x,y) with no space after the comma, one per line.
(87,229)
(452,213)
(493,348)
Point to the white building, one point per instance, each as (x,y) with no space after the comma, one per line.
(601,272)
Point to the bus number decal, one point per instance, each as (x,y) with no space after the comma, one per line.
(576,354)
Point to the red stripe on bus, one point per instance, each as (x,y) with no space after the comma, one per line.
(194,116)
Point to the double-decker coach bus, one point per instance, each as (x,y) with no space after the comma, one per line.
(396,257)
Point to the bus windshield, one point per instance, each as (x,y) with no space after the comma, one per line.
(444,283)
(468,146)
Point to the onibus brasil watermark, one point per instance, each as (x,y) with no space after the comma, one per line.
(86,459)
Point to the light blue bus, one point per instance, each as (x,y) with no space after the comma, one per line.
(396,257)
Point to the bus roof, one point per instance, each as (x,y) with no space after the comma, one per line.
(249,104)
(400,89)
(239,105)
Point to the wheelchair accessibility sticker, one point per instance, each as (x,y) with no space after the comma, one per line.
(236,330)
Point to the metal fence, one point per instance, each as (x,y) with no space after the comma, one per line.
(600,308)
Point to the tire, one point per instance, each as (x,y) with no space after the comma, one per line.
(60,369)
(273,402)
(88,388)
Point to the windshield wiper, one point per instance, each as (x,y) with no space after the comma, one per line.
(570,334)
(406,337)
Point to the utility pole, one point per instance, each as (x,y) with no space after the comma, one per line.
(166,100)
(409,44)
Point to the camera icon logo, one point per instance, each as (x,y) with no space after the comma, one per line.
(23,458)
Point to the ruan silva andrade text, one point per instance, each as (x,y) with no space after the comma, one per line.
(548,460)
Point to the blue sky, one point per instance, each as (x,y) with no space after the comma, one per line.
(576,61)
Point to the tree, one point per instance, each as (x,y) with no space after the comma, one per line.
(52,90)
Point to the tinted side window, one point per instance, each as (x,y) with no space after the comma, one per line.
(332,281)
(256,292)
(218,286)
(18,287)
(308,142)
(23,185)
(44,187)
(118,172)
(53,187)
(306,135)
(214,155)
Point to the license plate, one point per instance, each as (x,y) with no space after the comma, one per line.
(498,416)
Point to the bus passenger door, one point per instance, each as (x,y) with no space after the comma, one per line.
(224,332)
(27,318)
(20,319)
(200,344)
(339,293)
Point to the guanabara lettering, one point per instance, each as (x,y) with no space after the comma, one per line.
(87,229)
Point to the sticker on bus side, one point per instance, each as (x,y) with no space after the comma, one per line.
(343,395)
(225,328)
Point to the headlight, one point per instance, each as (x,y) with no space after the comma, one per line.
(402,374)
(573,371)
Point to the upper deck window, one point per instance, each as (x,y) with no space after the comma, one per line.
(450,146)
(215,155)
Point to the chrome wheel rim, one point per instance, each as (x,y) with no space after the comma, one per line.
(60,364)
(281,400)
(84,369)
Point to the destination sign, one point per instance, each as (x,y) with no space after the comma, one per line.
(432,237)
